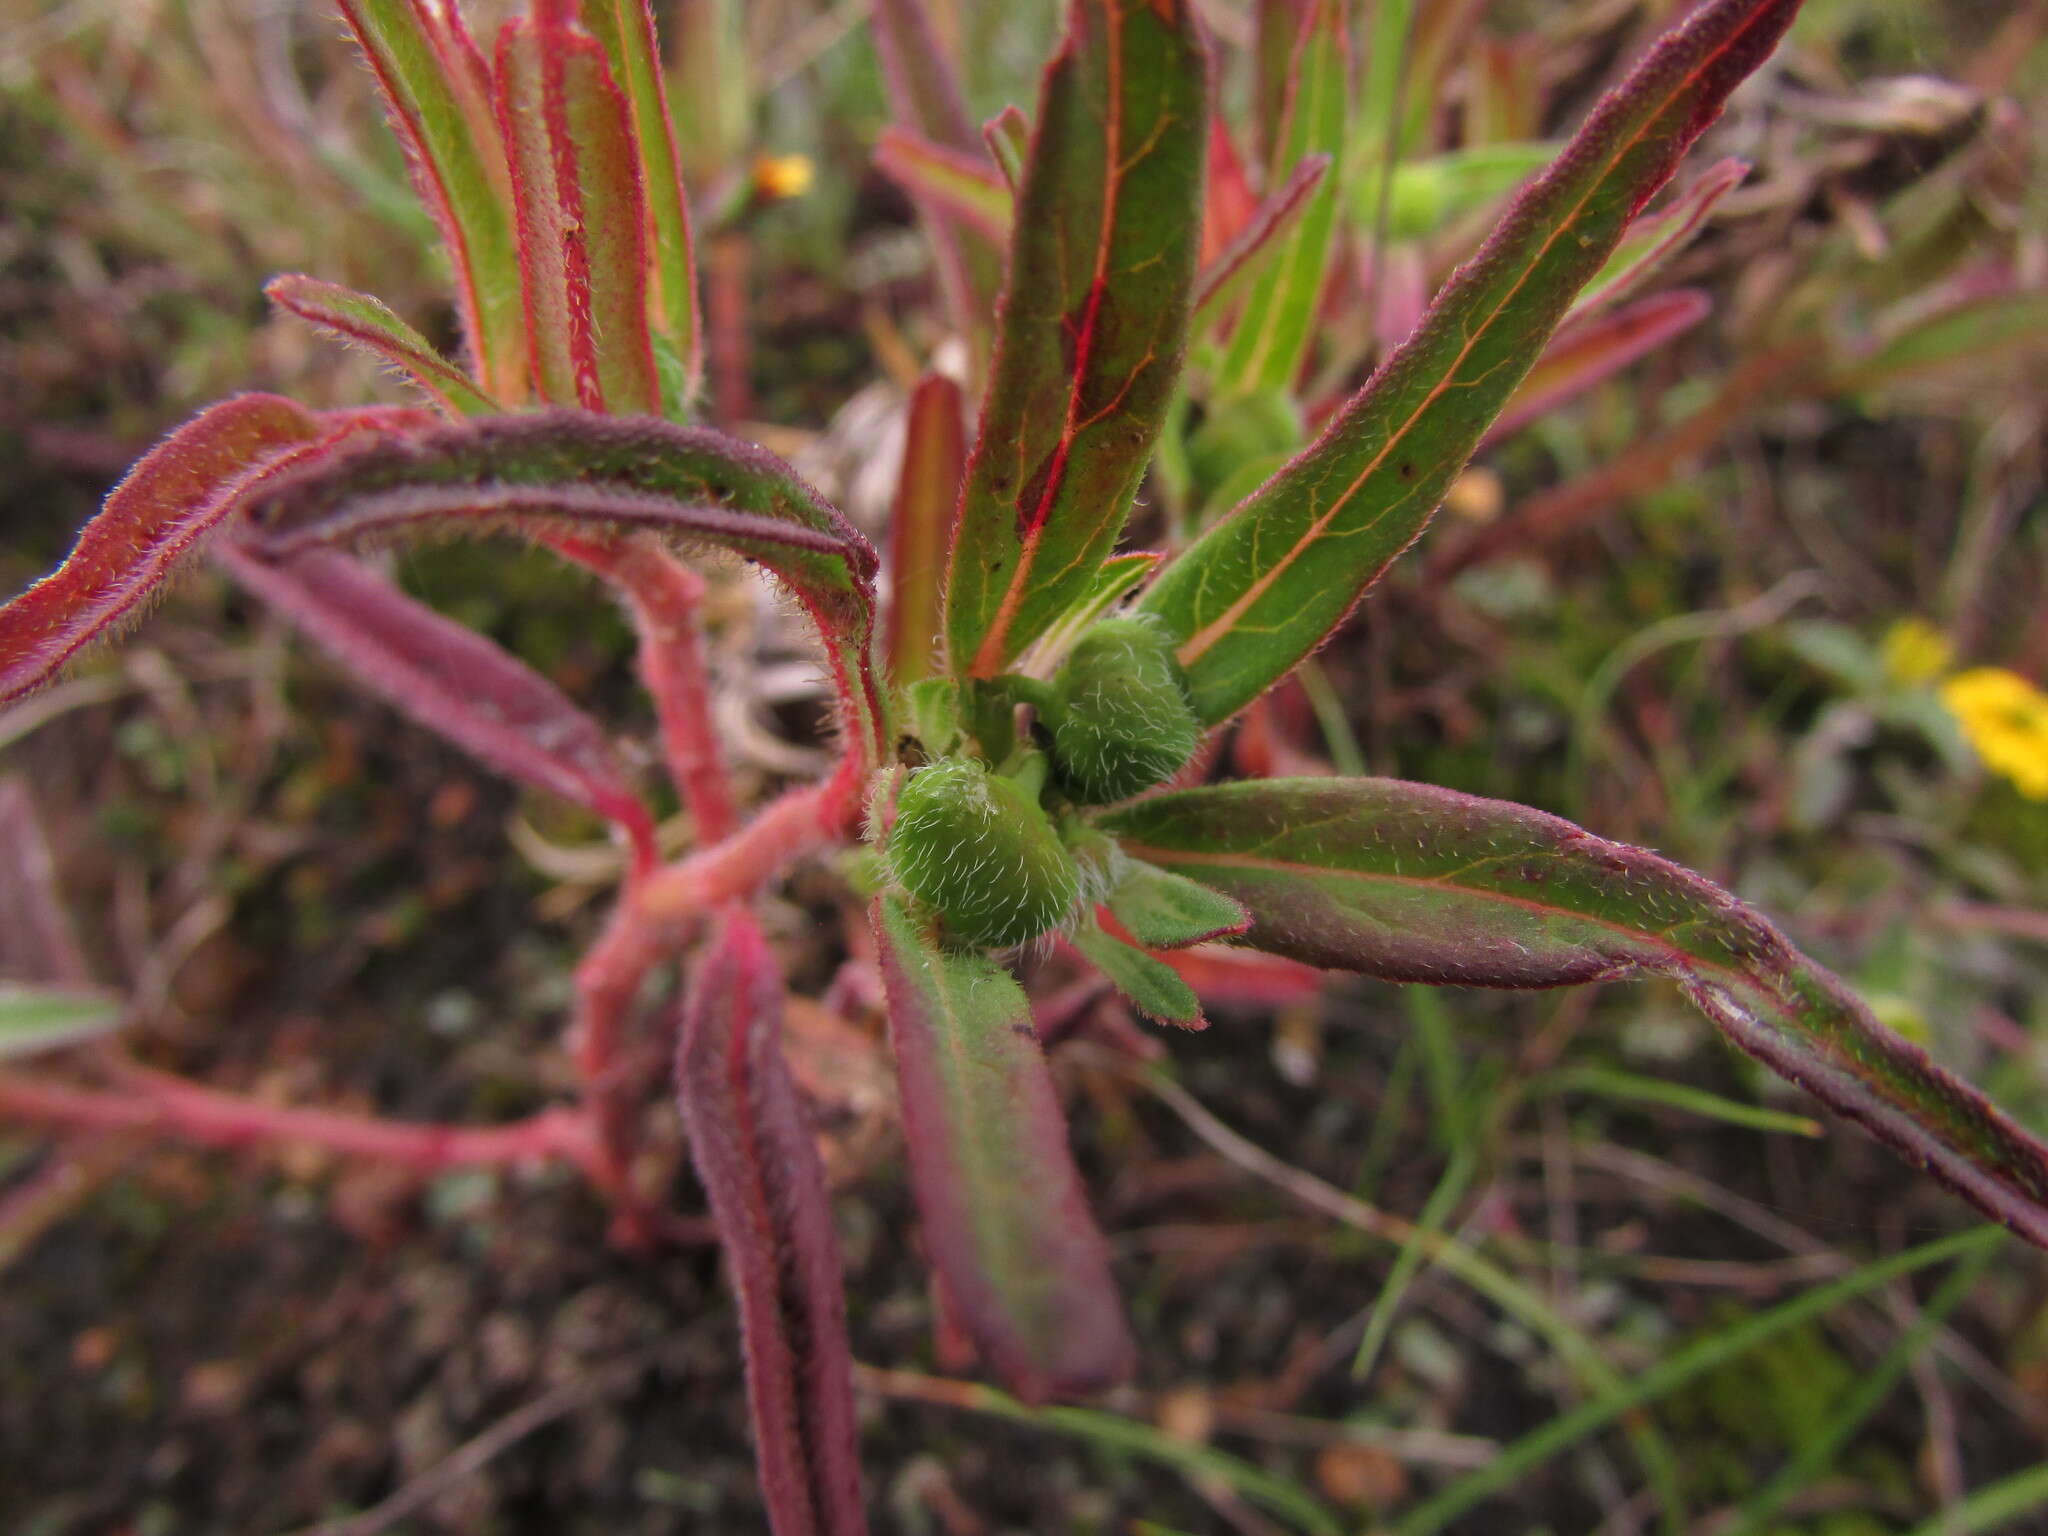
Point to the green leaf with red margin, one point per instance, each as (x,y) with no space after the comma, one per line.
(153,521)
(1005,1217)
(1585,352)
(969,187)
(574,473)
(1265,586)
(367,322)
(921,525)
(437,88)
(1274,325)
(626,29)
(1258,242)
(1655,238)
(760,1169)
(1412,883)
(582,218)
(1093,325)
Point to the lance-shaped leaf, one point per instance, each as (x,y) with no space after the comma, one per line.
(626,28)
(434,83)
(37,940)
(448,678)
(969,187)
(760,1169)
(1587,353)
(1657,237)
(921,524)
(1261,240)
(152,521)
(582,218)
(1264,586)
(1005,1216)
(574,473)
(1413,883)
(44,1018)
(1150,985)
(1273,327)
(366,322)
(1008,137)
(1092,327)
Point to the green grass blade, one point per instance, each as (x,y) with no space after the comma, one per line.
(1634,1088)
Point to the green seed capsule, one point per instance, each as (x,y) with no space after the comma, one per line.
(1120,717)
(982,852)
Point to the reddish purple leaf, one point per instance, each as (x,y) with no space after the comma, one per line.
(1412,883)
(366,322)
(449,679)
(921,525)
(1005,1217)
(1582,355)
(760,1169)
(152,521)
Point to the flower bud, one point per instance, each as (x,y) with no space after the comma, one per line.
(1120,718)
(982,852)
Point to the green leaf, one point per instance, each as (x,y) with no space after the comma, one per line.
(437,88)
(968,186)
(582,219)
(366,322)
(1272,333)
(36,1019)
(1168,911)
(1151,986)
(1263,587)
(626,28)
(1412,883)
(1005,1217)
(1100,274)
(584,475)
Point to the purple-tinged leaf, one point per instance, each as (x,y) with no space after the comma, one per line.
(626,28)
(1092,328)
(448,678)
(1585,354)
(921,525)
(1657,237)
(1005,1217)
(1008,137)
(1408,882)
(759,1166)
(37,940)
(1278,315)
(152,521)
(583,475)
(1259,241)
(925,97)
(1265,586)
(437,89)
(967,186)
(366,322)
(582,219)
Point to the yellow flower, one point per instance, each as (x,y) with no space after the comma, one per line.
(1915,652)
(2006,719)
(782,176)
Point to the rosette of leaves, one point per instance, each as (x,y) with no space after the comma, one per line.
(1019,722)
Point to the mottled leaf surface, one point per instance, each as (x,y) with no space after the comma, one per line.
(1263,587)
(759,1167)
(1413,883)
(1101,269)
(1005,1217)
(591,476)
(448,678)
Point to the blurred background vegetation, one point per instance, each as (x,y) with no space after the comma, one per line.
(1773,600)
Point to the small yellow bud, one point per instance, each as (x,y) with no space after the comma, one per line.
(777,177)
(1915,652)
(2006,719)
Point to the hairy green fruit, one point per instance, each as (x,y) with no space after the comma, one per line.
(1120,716)
(978,849)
